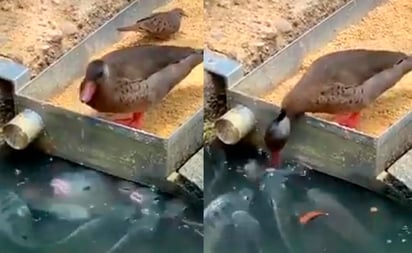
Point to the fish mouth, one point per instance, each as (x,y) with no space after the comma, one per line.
(60,187)
(136,197)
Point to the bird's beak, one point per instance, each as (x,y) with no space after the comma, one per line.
(184,14)
(88,89)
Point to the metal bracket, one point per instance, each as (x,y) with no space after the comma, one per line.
(189,179)
(14,73)
(13,76)
(398,178)
(221,74)
(230,70)
(192,170)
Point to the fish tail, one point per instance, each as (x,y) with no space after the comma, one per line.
(307,217)
(81,228)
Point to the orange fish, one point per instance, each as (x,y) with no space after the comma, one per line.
(305,218)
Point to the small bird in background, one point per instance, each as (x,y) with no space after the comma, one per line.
(130,80)
(160,25)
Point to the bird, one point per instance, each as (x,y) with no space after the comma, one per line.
(341,83)
(132,79)
(160,25)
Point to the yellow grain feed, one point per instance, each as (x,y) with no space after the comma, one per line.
(388,27)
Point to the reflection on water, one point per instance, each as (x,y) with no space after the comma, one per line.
(293,210)
(49,205)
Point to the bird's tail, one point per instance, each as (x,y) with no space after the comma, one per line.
(165,80)
(134,28)
(379,83)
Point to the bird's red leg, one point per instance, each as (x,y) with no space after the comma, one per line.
(349,120)
(125,121)
(136,121)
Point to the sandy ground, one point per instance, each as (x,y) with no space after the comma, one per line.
(184,100)
(388,27)
(251,31)
(37,32)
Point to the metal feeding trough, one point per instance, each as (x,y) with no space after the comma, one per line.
(334,150)
(120,151)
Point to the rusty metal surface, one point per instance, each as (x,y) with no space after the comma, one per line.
(337,151)
(134,155)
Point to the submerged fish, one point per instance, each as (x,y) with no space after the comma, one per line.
(274,186)
(217,216)
(141,232)
(72,196)
(247,233)
(97,234)
(16,221)
(82,187)
(340,220)
(62,211)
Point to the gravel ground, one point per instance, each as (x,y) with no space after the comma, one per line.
(37,32)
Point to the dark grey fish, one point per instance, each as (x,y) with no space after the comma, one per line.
(17,224)
(253,170)
(98,234)
(16,221)
(72,196)
(247,233)
(216,173)
(174,208)
(279,196)
(146,199)
(141,233)
(217,216)
(85,188)
(62,211)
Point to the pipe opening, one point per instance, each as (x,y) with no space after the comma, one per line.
(15,137)
(23,129)
(226,131)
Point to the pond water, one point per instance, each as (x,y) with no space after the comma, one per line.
(293,210)
(50,205)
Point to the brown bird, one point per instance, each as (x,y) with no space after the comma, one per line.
(340,83)
(159,25)
(132,79)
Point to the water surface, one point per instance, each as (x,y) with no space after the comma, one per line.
(50,205)
(358,221)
